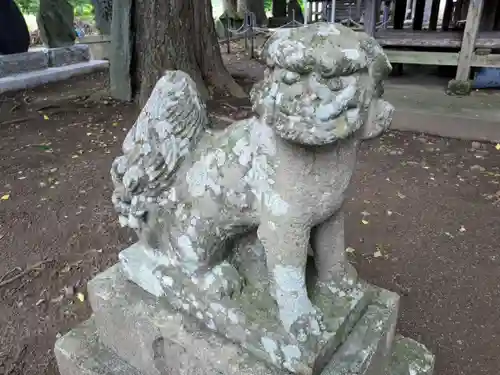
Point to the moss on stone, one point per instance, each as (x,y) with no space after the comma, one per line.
(459,88)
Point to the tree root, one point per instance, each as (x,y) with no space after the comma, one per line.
(34,267)
(17,120)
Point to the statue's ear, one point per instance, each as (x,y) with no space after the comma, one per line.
(379,119)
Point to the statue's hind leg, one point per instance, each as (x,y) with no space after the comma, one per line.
(329,252)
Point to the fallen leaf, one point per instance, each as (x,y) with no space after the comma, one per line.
(389,213)
(69,291)
(377,254)
(498,146)
(350,250)
(115,124)
(74,157)
(80,297)
(365,222)
(477,168)
(402,196)
(57,299)
(45,117)
(5,197)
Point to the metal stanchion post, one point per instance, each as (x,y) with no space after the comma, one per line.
(252,26)
(306,9)
(228,33)
(245,27)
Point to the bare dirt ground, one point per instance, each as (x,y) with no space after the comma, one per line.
(423,221)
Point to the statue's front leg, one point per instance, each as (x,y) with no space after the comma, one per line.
(286,240)
(329,252)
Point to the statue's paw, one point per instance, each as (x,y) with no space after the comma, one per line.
(308,327)
(344,280)
(221,281)
(339,287)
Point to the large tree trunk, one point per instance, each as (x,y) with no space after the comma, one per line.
(230,8)
(177,34)
(279,8)
(254,6)
(258,8)
(243,6)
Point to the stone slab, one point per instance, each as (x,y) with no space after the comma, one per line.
(80,352)
(259,330)
(28,80)
(157,340)
(68,55)
(23,62)
(99,46)
(367,349)
(123,310)
(427,109)
(409,357)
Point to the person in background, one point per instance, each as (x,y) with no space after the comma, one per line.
(14,34)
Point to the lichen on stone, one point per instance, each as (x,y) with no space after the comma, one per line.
(233,213)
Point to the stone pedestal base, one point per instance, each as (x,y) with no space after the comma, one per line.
(134,333)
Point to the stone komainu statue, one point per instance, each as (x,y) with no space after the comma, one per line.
(226,219)
(103,12)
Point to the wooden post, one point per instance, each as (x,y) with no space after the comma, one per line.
(418,16)
(496,26)
(448,13)
(462,84)
(121,50)
(488,17)
(228,33)
(253,22)
(359,4)
(370,20)
(457,13)
(400,14)
(306,9)
(434,14)
(409,9)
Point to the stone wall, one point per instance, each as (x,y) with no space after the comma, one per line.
(43,59)
(99,46)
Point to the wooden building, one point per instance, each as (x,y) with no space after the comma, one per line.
(461,33)
(466,35)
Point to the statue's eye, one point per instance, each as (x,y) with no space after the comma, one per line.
(290,78)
